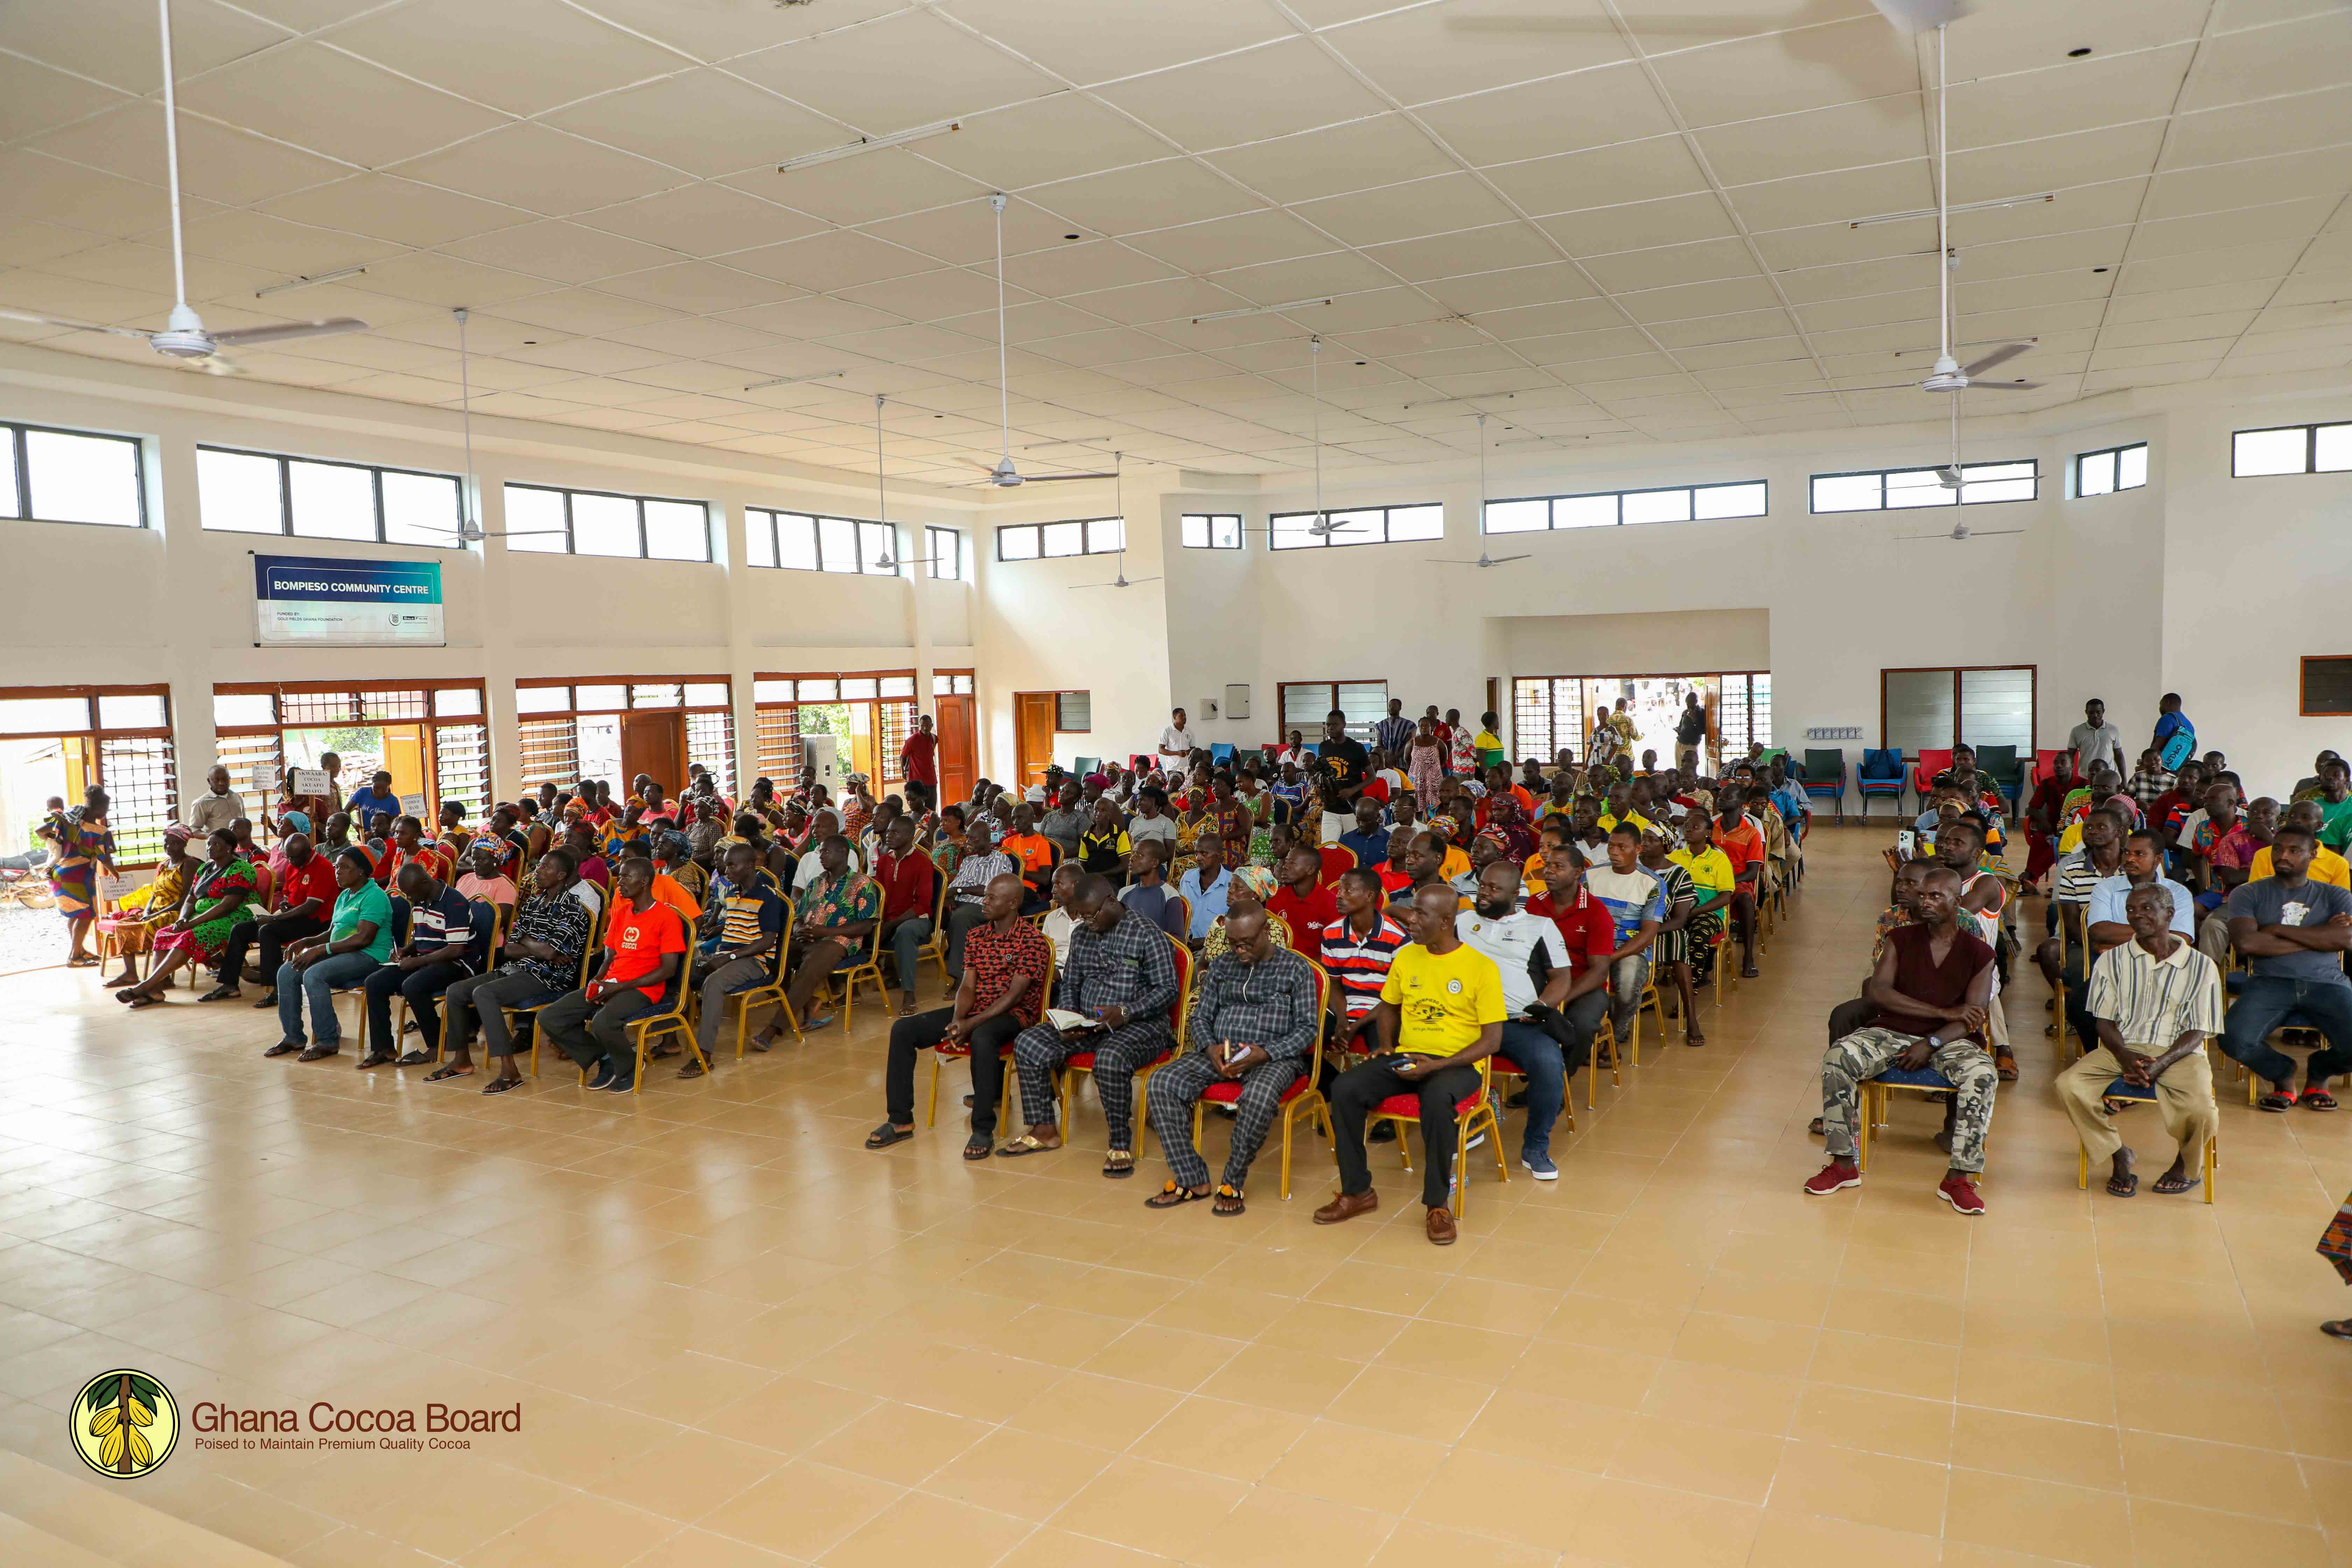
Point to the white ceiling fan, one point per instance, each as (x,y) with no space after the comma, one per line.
(1483,560)
(1948,374)
(889,560)
(1004,475)
(183,336)
(469,529)
(1119,579)
(1949,478)
(1325,525)
(1910,16)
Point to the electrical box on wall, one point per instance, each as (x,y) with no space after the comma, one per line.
(1207,709)
(1237,701)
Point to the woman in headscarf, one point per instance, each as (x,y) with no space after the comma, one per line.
(141,912)
(1252,886)
(223,885)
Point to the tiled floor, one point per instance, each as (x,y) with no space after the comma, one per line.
(738,1338)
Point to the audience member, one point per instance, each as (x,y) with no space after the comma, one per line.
(646,945)
(2294,932)
(357,940)
(545,942)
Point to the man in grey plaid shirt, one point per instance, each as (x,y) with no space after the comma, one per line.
(1121,973)
(1253,1019)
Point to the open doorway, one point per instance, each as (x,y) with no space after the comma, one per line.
(1549,713)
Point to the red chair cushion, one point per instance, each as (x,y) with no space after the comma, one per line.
(1409,1105)
(1499,1063)
(1227,1092)
(1084,1061)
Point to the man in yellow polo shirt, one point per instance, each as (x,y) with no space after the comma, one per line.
(2327,865)
(1441,1014)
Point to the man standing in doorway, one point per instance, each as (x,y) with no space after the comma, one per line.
(919,757)
(1690,732)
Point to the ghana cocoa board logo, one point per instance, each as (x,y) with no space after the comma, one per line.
(124,1424)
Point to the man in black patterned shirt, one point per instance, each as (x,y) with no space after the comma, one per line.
(1254,1021)
(1121,977)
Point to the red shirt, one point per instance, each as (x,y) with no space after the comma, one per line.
(314,878)
(639,938)
(906,882)
(1585,926)
(991,961)
(920,754)
(1307,917)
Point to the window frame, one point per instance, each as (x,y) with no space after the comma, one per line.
(1085,540)
(1717,707)
(1282,689)
(1551,515)
(1273,529)
(375,473)
(880,723)
(709,556)
(96,734)
(754,516)
(2115,454)
(2310,449)
(1958,673)
(1959,498)
(1210,521)
(431,723)
(931,532)
(571,712)
(20,453)
(1085,729)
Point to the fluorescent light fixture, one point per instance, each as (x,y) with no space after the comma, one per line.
(1963,207)
(868,144)
(308,281)
(1257,311)
(794,380)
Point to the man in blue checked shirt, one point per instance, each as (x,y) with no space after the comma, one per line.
(1637,906)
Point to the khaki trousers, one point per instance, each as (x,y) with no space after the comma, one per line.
(2184,1099)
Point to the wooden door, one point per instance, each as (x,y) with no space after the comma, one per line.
(655,743)
(1033,734)
(953,724)
(404,759)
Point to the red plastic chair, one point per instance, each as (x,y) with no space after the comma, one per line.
(1924,770)
(1475,1111)
(944,1050)
(1303,1098)
(1084,1061)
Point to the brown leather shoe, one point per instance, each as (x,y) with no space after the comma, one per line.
(1348,1205)
(1441,1227)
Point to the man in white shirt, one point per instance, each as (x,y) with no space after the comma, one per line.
(2095,741)
(218,810)
(1495,926)
(1176,742)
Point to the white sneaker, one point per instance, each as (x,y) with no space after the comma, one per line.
(1477,1140)
(1546,1172)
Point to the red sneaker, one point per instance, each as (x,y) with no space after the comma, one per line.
(1835,1176)
(1961,1193)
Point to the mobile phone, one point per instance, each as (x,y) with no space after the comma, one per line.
(1907,844)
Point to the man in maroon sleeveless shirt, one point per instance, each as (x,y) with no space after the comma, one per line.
(1932,987)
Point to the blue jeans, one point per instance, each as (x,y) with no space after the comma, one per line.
(1539,1056)
(319,983)
(2266,1004)
(905,939)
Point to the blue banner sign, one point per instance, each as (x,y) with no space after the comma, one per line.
(330,600)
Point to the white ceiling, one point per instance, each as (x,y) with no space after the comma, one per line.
(1598,220)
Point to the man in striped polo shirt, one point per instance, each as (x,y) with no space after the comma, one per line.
(2155,999)
(1358,949)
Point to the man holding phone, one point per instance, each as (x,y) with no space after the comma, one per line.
(1932,987)
(1441,1014)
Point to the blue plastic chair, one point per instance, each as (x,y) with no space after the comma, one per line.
(2121,1095)
(1221,752)
(1927,1080)
(1881,776)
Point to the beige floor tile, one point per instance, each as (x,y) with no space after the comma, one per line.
(582,1529)
(898,1443)
(1495,1494)
(1274,1529)
(1018,1473)
(2221,1477)
(2042,1518)
(1713,1461)
(1626,1523)
(1415,1404)
(932,1530)
(1551,1431)
(1413,1545)
(1789,1539)
(1100,1412)
(1880,1489)
(1161,1507)
(1223,1437)
(2078,1453)
(1745,1344)
(1888,1423)
(1299,1381)
(1378,1473)
(2168,1535)
(802,1509)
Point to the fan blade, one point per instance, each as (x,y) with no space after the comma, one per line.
(1709,26)
(1836,391)
(2001,355)
(1049,479)
(2004,386)
(1131,582)
(68,323)
(1499,560)
(1990,532)
(1448,561)
(286,331)
(1923,15)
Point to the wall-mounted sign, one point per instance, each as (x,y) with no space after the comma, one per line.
(334,600)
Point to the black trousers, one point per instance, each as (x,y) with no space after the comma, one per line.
(271,940)
(1362,1088)
(1848,1017)
(911,1037)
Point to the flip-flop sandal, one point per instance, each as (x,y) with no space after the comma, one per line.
(2005,1067)
(415,1059)
(1119,1164)
(1814,1127)
(2169,1185)
(500,1085)
(692,1069)
(1229,1203)
(443,1073)
(1027,1144)
(2317,1100)
(815,1024)
(84,962)
(220,994)
(2339,1329)
(979,1148)
(882,1137)
(135,1003)
(2125,1186)
(2276,1102)
(1173,1196)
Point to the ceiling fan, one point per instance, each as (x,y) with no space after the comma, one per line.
(1483,560)
(184,335)
(1120,578)
(1004,475)
(1949,477)
(470,530)
(1325,525)
(889,560)
(1962,530)
(1948,374)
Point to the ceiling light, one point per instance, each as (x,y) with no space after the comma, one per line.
(1962,207)
(1257,311)
(795,380)
(305,282)
(868,144)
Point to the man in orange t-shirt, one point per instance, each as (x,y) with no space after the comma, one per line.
(646,941)
(1744,848)
(1034,852)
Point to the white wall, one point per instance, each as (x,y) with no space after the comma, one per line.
(1642,642)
